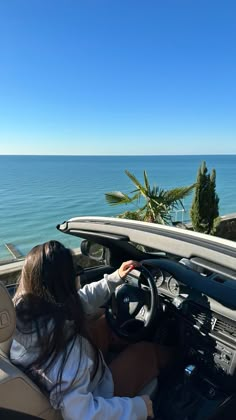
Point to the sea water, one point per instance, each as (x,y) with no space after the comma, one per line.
(39,192)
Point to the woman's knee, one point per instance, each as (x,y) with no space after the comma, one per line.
(158,356)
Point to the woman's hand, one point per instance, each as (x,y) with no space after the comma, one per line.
(149,406)
(126,267)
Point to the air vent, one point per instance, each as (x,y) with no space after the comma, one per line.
(200,317)
(225,328)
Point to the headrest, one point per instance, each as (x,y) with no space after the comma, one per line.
(7,315)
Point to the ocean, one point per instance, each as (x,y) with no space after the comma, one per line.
(39,192)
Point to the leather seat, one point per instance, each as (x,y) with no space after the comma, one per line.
(17,391)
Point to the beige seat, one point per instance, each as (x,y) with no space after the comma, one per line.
(17,391)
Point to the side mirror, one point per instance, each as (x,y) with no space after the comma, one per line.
(93,250)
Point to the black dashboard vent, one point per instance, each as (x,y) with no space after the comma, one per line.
(225,328)
(200,317)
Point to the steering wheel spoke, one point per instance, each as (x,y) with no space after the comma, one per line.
(143,314)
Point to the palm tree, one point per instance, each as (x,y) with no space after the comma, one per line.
(158,203)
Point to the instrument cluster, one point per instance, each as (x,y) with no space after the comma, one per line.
(166,282)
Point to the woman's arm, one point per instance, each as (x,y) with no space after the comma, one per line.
(76,401)
(80,404)
(95,294)
(85,406)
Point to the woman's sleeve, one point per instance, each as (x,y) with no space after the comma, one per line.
(77,403)
(94,295)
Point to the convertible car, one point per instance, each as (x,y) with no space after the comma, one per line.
(183,294)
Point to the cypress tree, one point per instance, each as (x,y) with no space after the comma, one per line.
(205,206)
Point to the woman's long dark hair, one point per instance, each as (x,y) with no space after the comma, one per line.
(47,303)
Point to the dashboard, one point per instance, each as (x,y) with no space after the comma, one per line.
(207,327)
(208,336)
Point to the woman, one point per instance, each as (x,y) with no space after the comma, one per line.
(54,345)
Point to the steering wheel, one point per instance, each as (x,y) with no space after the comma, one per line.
(133,307)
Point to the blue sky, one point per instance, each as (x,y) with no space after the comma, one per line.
(117,77)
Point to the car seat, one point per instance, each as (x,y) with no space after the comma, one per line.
(17,391)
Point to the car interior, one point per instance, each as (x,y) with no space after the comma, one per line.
(188,303)
(184,304)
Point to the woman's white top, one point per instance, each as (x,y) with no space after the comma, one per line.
(85,399)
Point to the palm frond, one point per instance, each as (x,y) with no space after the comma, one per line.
(135,181)
(177,194)
(117,197)
(146,182)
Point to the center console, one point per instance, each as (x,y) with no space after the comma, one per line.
(189,396)
(214,358)
(205,384)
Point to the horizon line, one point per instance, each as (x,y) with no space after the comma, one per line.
(119,155)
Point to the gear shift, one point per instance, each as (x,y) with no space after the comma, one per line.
(187,395)
(184,389)
(189,371)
